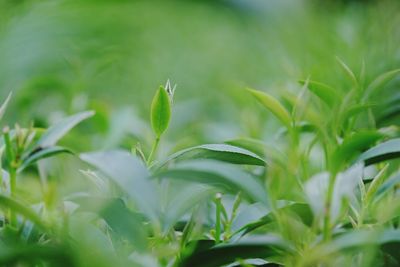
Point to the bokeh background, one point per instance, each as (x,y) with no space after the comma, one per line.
(61,57)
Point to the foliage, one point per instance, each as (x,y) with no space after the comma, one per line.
(291,210)
(304,174)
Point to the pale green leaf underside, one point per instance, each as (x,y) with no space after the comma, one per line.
(384,151)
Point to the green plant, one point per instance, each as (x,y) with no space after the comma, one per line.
(322,194)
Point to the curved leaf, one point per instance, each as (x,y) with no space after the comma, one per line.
(41,154)
(301,210)
(273,105)
(3,107)
(221,152)
(384,151)
(355,110)
(221,255)
(326,93)
(354,144)
(221,175)
(121,220)
(253,145)
(183,201)
(380,81)
(51,136)
(388,240)
(348,71)
(130,175)
(389,184)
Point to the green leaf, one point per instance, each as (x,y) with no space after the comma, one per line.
(51,136)
(300,210)
(160,111)
(273,105)
(348,71)
(301,127)
(248,248)
(221,152)
(41,154)
(345,183)
(253,145)
(58,256)
(326,93)
(380,82)
(4,105)
(86,236)
(384,151)
(387,240)
(377,181)
(218,174)
(389,184)
(122,221)
(23,209)
(389,113)
(183,201)
(263,150)
(390,109)
(129,173)
(355,110)
(353,145)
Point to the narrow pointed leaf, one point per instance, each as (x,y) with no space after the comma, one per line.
(348,71)
(326,93)
(355,144)
(389,184)
(273,105)
(387,240)
(220,175)
(384,151)
(4,105)
(51,136)
(301,210)
(221,152)
(355,110)
(253,145)
(250,248)
(380,82)
(41,154)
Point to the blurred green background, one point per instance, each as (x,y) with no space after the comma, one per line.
(60,57)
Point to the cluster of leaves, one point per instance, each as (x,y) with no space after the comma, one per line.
(324,194)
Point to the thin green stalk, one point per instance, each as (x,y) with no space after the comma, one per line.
(12,168)
(328,205)
(218,219)
(13,187)
(153,150)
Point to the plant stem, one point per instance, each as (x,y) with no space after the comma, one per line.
(218,219)
(328,205)
(13,187)
(12,169)
(153,150)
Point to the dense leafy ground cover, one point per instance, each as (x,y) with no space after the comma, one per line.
(325,193)
(301,169)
